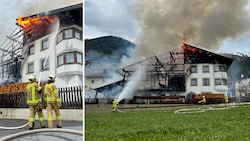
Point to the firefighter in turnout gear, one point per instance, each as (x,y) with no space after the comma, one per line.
(53,102)
(114,105)
(34,100)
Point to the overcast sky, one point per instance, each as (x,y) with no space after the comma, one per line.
(221,26)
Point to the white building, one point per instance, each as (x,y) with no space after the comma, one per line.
(187,70)
(52,44)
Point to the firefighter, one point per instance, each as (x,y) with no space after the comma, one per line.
(34,100)
(114,105)
(203,101)
(226,100)
(53,102)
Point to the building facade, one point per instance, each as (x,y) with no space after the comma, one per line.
(180,72)
(51,44)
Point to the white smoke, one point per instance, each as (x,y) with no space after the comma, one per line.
(133,84)
(207,23)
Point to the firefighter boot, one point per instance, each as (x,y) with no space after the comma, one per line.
(59,124)
(42,124)
(31,125)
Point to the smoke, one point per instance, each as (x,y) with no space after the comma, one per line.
(132,85)
(39,6)
(13,9)
(165,23)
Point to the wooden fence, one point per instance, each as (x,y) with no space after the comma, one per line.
(71,98)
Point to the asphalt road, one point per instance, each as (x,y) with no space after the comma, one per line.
(43,136)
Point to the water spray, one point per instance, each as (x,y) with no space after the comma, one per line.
(131,86)
(52,43)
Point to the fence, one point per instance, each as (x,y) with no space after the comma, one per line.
(71,98)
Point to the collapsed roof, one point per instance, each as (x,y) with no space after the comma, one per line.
(166,72)
(173,61)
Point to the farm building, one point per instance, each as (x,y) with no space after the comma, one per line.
(175,76)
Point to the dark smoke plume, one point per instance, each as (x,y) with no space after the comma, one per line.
(206,23)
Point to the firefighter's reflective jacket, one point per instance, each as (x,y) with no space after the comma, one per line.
(33,93)
(51,93)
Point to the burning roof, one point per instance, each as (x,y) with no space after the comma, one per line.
(39,25)
(31,24)
(196,55)
(174,60)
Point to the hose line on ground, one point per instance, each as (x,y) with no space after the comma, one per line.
(9,137)
(13,128)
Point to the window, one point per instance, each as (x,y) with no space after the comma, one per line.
(45,44)
(31,49)
(220,81)
(60,60)
(77,34)
(60,37)
(206,82)
(92,81)
(44,65)
(193,82)
(31,68)
(193,69)
(68,33)
(224,81)
(205,69)
(79,58)
(216,69)
(217,82)
(70,57)
(220,69)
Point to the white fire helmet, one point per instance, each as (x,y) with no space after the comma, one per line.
(51,78)
(32,78)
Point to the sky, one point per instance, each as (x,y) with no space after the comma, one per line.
(158,26)
(12,9)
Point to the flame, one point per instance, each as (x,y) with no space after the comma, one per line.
(28,24)
(184,41)
(189,49)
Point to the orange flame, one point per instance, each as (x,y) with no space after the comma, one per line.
(29,23)
(184,41)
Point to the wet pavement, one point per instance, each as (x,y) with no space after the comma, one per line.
(66,133)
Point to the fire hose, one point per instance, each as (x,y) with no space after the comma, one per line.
(13,128)
(9,137)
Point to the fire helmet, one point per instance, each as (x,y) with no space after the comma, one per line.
(32,78)
(51,78)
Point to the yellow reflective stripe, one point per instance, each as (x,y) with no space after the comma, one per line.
(58,100)
(41,119)
(33,93)
(58,118)
(50,99)
(31,119)
(50,118)
(34,101)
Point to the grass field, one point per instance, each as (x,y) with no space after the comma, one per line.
(164,125)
